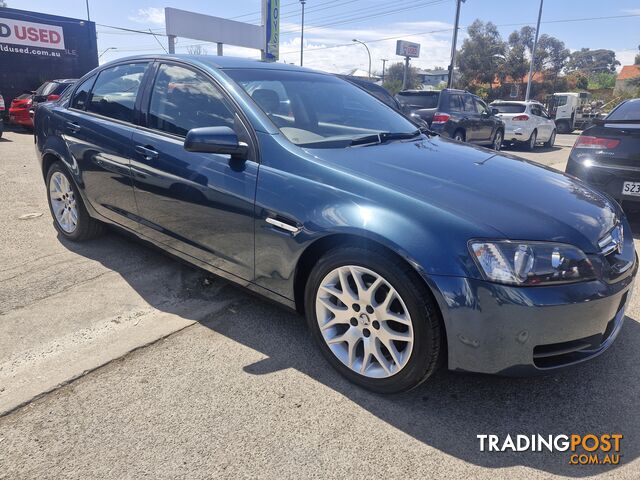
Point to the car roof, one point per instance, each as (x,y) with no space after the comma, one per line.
(216,62)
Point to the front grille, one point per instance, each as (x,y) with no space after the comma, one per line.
(612,241)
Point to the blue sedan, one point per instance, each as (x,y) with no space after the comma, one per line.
(404,250)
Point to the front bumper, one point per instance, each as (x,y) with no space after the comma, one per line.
(505,330)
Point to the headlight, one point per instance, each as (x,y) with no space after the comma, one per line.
(531,263)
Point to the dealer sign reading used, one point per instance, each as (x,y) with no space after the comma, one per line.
(31,34)
(407,49)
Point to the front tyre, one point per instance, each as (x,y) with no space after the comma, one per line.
(373,319)
(70,217)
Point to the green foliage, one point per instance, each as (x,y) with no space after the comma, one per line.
(477,58)
(393,86)
(593,61)
(395,73)
(601,80)
(582,82)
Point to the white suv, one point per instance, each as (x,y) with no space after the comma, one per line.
(525,122)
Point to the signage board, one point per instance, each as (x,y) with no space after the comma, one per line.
(31,34)
(272,30)
(407,49)
(181,23)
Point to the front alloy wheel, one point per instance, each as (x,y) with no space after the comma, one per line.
(373,318)
(364,321)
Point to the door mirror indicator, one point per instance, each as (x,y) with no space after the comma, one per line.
(221,140)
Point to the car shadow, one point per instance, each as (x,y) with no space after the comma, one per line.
(450,409)
(538,149)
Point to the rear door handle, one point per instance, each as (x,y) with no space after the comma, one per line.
(72,127)
(147,152)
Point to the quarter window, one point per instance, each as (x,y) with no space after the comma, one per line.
(115,91)
(82,94)
(183,99)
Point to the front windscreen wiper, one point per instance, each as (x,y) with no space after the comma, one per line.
(383,137)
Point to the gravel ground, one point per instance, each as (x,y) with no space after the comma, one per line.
(229,385)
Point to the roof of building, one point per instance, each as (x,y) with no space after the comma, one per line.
(628,72)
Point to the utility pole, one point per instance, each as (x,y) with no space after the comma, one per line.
(384,62)
(533,54)
(88,16)
(453,44)
(302,2)
(405,74)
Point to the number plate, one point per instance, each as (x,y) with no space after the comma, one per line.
(631,188)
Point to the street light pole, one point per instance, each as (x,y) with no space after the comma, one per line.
(106,50)
(453,44)
(88,16)
(533,54)
(302,2)
(368,53)
(384,62)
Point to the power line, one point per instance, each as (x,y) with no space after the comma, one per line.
(566,20)
(358,18)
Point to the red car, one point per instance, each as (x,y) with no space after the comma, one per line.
(21,106)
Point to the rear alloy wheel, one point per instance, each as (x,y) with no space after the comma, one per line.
(497,141)
(459,136)
(69,214)
(531,144)
(372,322)
(552,140)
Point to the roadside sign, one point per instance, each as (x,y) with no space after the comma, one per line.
(407,49)
(272,30)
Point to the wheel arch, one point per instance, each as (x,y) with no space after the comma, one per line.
(319,247)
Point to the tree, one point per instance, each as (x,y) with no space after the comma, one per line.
(477,58)
(515,64)
(196,50)
(395,74)
(593,61)
(554,53)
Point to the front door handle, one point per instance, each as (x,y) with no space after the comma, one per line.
(72,127)
(147,152)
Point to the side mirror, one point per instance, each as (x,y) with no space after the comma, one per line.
(222,140)
(495,111)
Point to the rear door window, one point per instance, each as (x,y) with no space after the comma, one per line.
(455,103)
(115,91)
(469,105)
(629,110)
(509,107)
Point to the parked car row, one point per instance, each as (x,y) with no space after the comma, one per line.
(404,249)
(23,106)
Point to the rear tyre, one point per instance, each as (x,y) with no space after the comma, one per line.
(373,319)
(563,127)
(70,217)
(459,136)
(497,141)
(531,143)
(552,140)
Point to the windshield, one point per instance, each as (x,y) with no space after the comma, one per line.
(317,110)
(509,107)
(421,100)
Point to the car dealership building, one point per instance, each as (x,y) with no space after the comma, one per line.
(35,47)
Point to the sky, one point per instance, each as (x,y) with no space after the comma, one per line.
(330,26)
